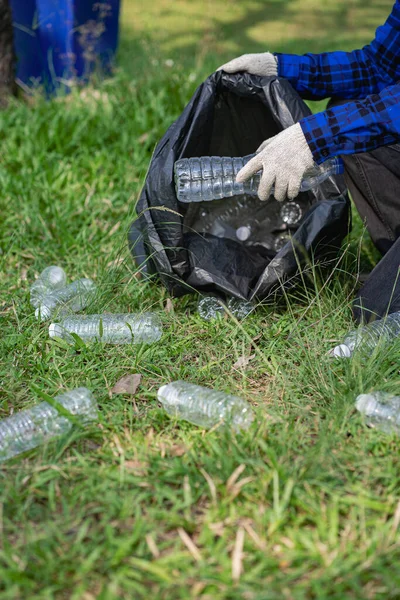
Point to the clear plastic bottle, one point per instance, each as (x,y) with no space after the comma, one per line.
(30,428)
(239,308)
(291,213)
(203,406)
(72,298)
(214,177)
(111,329)
(381,410)
(211,307)
(50,279)
(366,338)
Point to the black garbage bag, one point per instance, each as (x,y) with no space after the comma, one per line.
(236,246)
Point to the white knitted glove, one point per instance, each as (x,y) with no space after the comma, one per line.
(265,64)
(283,159)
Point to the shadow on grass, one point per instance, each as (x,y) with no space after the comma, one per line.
(187,33)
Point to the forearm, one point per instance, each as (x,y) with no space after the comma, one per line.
(346,75)
(358,126)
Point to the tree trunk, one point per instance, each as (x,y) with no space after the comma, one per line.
(7,54)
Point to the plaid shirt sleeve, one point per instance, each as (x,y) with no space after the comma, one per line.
(348,75)
(358,126)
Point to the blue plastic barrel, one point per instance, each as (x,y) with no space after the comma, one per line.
(61,41)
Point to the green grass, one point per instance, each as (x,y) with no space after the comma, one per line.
(311,493)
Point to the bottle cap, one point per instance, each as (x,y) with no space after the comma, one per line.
(243,233)
(160,393)
(341,351)
(42,312)
(366,403)
(54,276)
(55,330)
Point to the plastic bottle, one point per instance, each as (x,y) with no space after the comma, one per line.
(211,307)
(234,220)
(50,279)
(214,177)
(111,329)
(381,410)
(366,338)
(291,213)
(72,298)
(204,407)
(30,428)
(239,308)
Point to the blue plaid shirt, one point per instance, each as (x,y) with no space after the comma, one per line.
(369,78)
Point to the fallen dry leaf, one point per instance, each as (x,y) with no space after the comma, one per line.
(243,361)
(169,307)
(237,555)
(177,450)
(139,467)
(152,546)
(234,477)
(114,228)
(217,528)
(143,138)
(172,450)
(128,384)
(190,545)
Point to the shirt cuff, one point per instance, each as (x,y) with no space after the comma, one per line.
(319,137)
(288,66)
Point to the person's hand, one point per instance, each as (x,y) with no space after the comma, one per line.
(265,64)
(283,159)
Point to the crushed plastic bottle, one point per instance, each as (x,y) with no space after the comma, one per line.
(366,338)
(232,220)
(381,410)
(211,307)
(30,428)
(72,298)
(239,308)
(291,213)
(214,177)
(203,406)
(50,279)
(111,329)
(249,221)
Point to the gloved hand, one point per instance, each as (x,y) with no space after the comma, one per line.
(264,64)
(283,159)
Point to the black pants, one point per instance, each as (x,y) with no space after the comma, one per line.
(373,179)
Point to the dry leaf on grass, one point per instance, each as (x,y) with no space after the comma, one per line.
(144,137)
(139,467)
(169,307)
(217,528)
(177,450)
(190,545)
(128,384)
(152,546)
(243,361)
(237,555)
(171,450)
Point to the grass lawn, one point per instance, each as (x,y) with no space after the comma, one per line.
(306,504)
